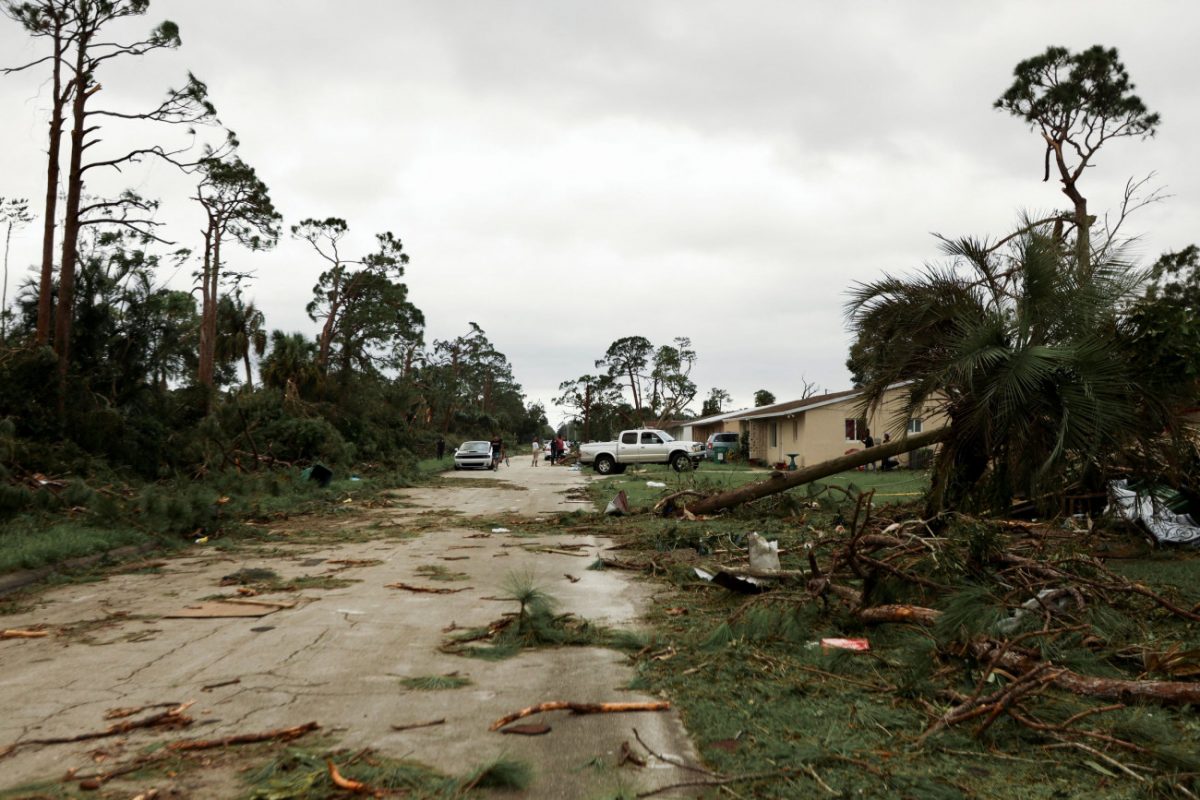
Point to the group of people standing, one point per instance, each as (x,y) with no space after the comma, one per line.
(558,448)
(888,463)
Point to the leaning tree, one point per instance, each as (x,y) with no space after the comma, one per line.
(1077,102)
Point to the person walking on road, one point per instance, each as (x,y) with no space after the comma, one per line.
(537,450)
(497,450)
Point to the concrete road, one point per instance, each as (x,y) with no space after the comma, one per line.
(340,655)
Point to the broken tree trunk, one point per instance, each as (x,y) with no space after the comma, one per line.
(781,482)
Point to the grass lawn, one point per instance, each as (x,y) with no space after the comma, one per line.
(897,486)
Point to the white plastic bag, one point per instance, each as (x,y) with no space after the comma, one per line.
(764,555)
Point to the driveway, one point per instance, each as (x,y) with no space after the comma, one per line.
(340,654)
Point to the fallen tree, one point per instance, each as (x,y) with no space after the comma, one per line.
(782,481)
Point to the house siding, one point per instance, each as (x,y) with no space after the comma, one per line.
(819,434)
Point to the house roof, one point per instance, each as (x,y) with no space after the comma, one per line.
(793,406)
(716,417)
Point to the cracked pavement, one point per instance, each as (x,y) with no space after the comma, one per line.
(339,656)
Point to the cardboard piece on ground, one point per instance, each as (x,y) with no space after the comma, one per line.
(215,609)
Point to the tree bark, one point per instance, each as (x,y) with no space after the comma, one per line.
(53,153)
(786,481)
(65,312)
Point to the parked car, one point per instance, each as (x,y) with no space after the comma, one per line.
(641,446)
(474,455)
(720,445)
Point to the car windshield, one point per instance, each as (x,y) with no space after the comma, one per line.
(476,447)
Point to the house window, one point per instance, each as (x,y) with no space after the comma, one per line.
(914,425)
(856,430)
(774,434)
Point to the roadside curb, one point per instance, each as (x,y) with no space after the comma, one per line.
(19,580)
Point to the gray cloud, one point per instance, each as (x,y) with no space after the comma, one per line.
(565,173)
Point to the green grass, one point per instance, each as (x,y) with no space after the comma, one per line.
(436,572)
(26,544)
(80,520)
(427,683)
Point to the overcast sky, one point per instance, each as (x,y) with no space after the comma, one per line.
(568,173)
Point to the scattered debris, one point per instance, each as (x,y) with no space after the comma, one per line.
(18,633)
(855,645)
(319,474)
(408,587)
(173,717)
(497,530)
(656,484)
(627,756)
(277,735)
(580,708)
(570,577)
(530,729)
(454,558)
(357,787)
(1164,525)
(618,506)
(764,555)
(734,583)
(415,725)
(212,686)
(216,609)
(558,551)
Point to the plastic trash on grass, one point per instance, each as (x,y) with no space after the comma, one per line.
(764,555)
(618,506)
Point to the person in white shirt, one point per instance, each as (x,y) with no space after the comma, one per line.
(537,451)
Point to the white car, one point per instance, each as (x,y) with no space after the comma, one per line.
(474,455)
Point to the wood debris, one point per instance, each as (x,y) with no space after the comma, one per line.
(173,717)
(350,785)
(579,708)
(276,735)
(19,633)
(415,725)
(408,587)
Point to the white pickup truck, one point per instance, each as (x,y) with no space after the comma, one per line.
(641,446)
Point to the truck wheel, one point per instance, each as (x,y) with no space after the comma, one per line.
(605,465)
(680,462)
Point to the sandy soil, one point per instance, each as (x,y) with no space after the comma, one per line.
(339,656)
